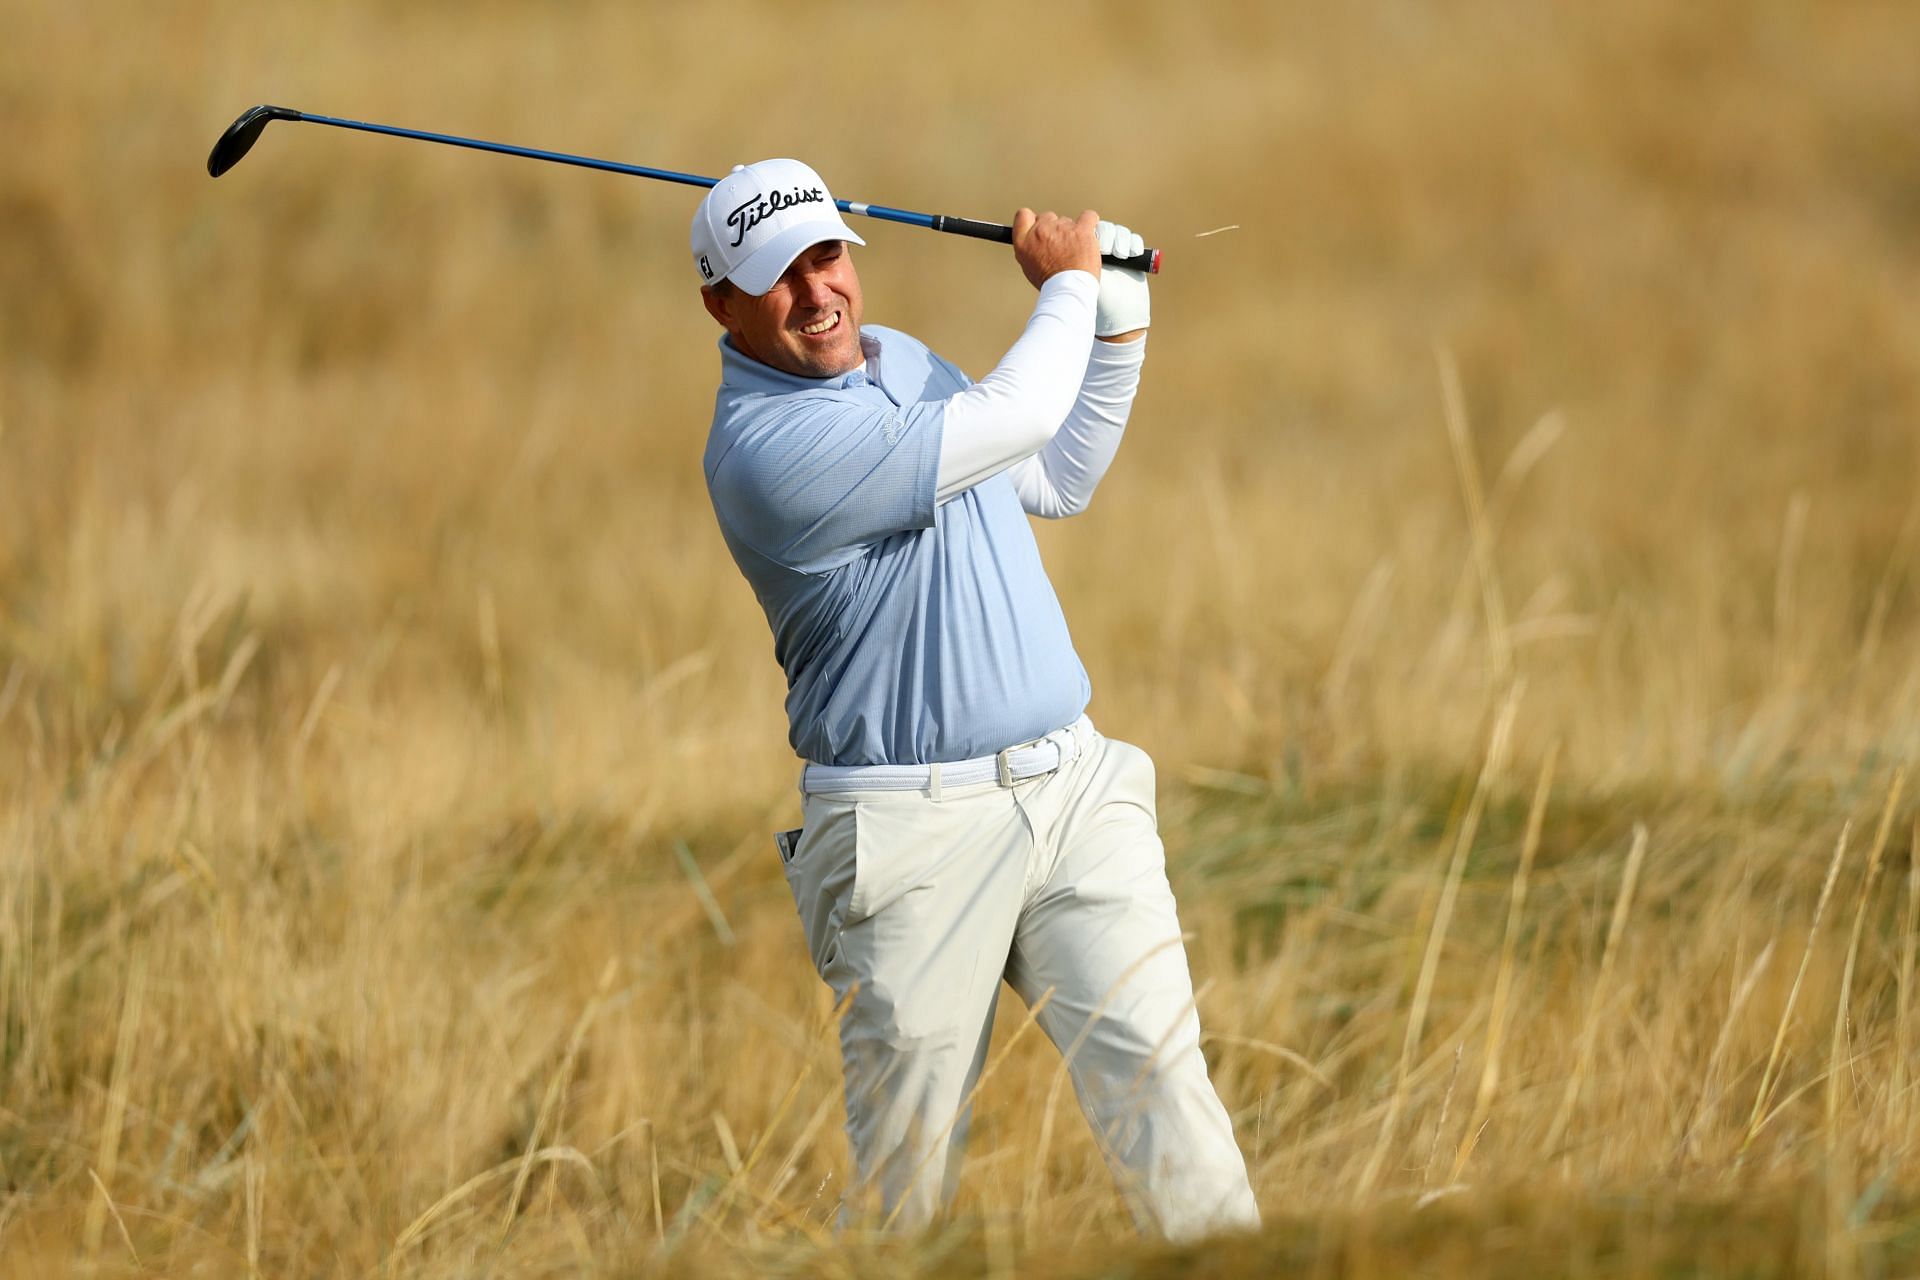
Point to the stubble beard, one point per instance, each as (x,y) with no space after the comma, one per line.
(842,356)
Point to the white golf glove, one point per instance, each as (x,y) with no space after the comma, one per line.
(1122,306)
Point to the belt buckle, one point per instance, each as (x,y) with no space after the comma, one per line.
(1003,764)
(1003,760)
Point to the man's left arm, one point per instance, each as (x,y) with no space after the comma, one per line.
(1059,480)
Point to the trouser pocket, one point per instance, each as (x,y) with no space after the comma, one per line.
(788,842)
(819,863)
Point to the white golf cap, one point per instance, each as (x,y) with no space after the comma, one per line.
(758,219)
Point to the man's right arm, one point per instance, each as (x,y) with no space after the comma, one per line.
(1013,412)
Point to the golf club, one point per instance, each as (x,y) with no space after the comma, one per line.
(244,132)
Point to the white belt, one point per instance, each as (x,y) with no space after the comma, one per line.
(1015,764)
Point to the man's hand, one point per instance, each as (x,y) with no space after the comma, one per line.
(1122,313)
(1047,244)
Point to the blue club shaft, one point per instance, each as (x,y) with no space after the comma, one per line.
(240,137)
(882,212)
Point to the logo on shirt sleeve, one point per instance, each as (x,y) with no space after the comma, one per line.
(891,429)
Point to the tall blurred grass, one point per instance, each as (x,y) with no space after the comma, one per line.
(367,648)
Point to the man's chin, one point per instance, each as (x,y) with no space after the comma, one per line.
(828,362)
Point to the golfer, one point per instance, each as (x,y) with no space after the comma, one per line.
(965,823)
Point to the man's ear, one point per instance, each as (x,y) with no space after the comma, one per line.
(716,307)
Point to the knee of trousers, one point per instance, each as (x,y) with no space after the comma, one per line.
(1141,1043)
(904,1089)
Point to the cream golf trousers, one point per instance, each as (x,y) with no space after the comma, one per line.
(915,909)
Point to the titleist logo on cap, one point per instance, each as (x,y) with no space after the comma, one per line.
(750,214)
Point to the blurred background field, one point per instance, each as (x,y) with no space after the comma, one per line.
(1511,567)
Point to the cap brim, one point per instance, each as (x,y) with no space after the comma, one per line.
(770,261)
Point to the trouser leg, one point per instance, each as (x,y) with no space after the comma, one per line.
(1101,934)
(909,908)
(908,1111)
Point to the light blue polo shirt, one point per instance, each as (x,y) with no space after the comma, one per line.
(910,632)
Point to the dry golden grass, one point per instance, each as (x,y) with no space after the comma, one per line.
(1512,567)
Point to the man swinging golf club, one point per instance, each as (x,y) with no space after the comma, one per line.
(964,821)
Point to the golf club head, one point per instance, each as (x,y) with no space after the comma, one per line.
(241,135)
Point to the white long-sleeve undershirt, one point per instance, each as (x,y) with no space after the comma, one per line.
(1052,411)
(1059,480)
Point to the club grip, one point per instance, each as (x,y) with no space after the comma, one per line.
(1147,260)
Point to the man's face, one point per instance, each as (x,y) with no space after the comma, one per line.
(807,324)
